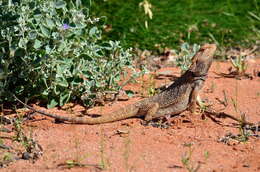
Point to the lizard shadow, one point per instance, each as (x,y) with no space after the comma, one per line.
(233,75)
(218,122)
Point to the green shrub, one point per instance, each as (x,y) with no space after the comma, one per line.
(185,55)
(53,50)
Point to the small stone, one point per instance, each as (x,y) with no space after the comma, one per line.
(26,156)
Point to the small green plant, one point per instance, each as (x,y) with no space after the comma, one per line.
(234,102)
(202,105)
(6,158)
(54,50)
(151,86)
(31,147)
(206,155)
(185,55)
(73,163)
(76,163)
(22,146)
(244,134)
(187,162)
(240,65)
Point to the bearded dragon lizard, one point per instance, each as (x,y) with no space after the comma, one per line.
(178,97)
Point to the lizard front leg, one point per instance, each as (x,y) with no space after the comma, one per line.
(194,97)
(193,100)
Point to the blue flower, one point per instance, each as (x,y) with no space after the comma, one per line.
(65,26)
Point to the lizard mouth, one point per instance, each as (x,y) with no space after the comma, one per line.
(197,76)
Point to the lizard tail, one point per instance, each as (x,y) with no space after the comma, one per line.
(123,113)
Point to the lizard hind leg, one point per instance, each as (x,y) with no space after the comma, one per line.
(151,112)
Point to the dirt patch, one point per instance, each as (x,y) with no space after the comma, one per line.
(127,145)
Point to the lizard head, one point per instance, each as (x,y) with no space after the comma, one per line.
(201,62)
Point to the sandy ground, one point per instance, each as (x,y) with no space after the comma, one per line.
(128,145)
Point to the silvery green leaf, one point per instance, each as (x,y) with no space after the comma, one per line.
(61,47)
(47,49)
(55,35)
(129,93)
(56,90)
(52,104)
(64,98)
(93,31)
(185,46)
(37,17)
(37,44)
(45,93)
(32,35)
(59,71)
(53,12)
(196,47)
(78,32)
(16,28)
(60,4)
(44,31)
(50,23)
(80,25)
(85,11)
(78,3)
(22,43)
(61,81)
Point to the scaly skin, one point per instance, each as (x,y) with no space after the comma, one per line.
(178,97)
